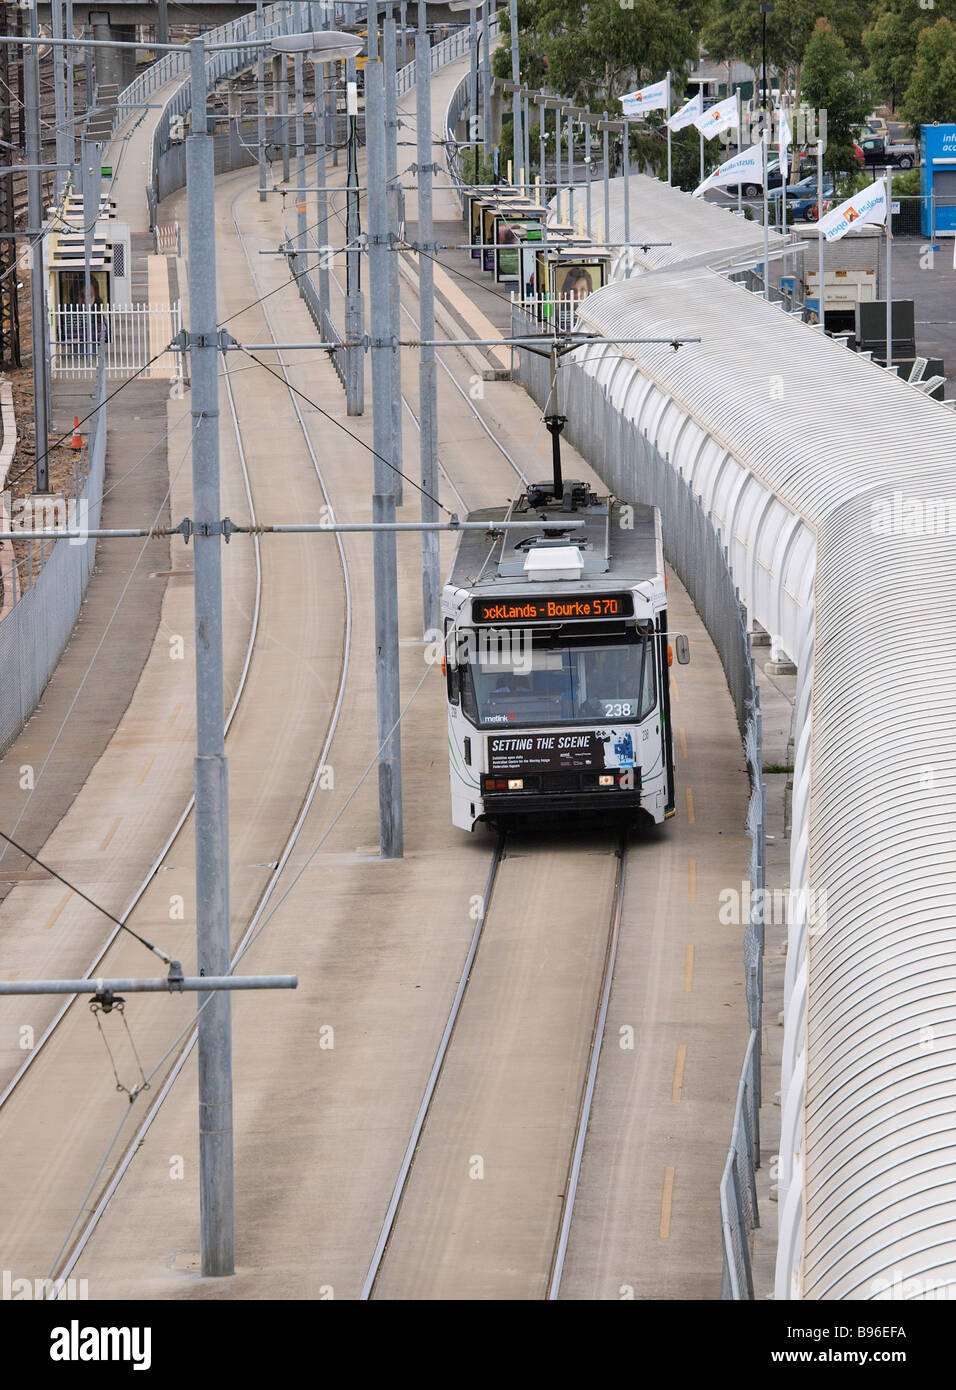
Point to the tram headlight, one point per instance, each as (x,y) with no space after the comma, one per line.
(515,784)
(605,781)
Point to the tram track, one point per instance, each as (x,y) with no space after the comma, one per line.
(441,1237)
(97,1201)
(291,840)
(546,1279)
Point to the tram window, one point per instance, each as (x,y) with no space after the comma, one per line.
(452,672)
(575,682)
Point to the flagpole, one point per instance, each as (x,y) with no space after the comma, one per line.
(740,136)
(627,196)
(820,237)
(764,140)
(668,128)
(889,268)
(701,133)
(784,176)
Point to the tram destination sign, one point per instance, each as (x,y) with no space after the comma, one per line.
(561,608)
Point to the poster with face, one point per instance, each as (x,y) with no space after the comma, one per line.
(72,289)
(513,230)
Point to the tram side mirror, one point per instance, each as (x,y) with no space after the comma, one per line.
(681,648)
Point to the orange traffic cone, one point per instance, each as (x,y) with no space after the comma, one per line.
(77,441)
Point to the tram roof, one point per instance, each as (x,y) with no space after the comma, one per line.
(636,553)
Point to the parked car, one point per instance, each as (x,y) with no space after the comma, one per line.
(876,125)
(880,153)
(804,188)
(805,208)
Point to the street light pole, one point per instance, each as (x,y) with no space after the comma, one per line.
(212,800)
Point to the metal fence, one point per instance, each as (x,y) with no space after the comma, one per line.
(455,46)
(128,340)
(328,333)
(38,626)
(633,469)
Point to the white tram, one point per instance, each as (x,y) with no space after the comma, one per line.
(556,662)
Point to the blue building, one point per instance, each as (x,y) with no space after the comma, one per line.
(937,148)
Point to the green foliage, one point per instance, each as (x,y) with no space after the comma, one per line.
(592,52)
(475,168)
(735,30)
(829,85)
(931,93)
(891,42)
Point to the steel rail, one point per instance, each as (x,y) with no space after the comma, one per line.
(434,1075)
(587,1096)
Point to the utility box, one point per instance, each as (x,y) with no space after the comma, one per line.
(937,146)
(871,328)
(851,274)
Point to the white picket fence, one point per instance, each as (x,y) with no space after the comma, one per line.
(135,340)
(550,310)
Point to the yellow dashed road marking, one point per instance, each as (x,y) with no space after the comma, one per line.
(667,1200)
(57,910)
(679,1074)
(110,833)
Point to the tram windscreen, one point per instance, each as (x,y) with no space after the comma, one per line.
(518,682)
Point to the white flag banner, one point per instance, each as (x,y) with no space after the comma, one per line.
(867,206)
(716,119)
(688,113)
(784,141)
(745,167)
(653,98)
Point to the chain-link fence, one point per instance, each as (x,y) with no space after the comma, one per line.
(38,626)
(631,466)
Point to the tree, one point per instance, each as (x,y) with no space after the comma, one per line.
(735,30)
(830,86)
(892,38)
(595,51)
(931,93)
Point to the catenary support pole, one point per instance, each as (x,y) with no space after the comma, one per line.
(212,806)
(383,499)
(427,383)
(323,231)
(31,117)
(486,140)
(261,103)
(298,70)
(395,219)
(71,56)
(354,299)
(58,56)
(517,137)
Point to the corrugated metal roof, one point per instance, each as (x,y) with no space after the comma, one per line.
(697,230)
(862,457)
